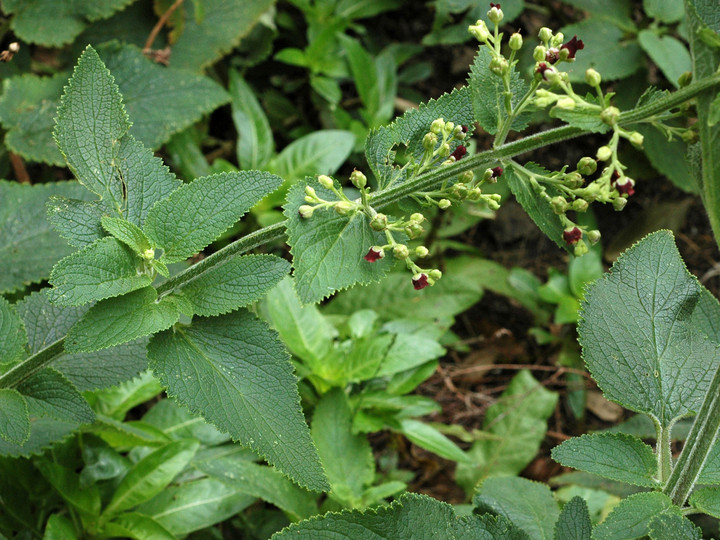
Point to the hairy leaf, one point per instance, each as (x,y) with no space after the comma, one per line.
(12,334)
(128,233)
(328,248)
(574,521)
(613,455)
(636,336)
(674,527)
(246,385)
(14,418)
(197,213)
(104,269)
(707,500)
(235,283)
(632,516)
(669,53)
(78,222)
(50,392)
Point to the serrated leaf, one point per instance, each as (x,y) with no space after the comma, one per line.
(707,500)
(248,388)
(118,320)
(67,483)
(328,248)
(27,110)
(78,222)
(574,521)
(101,270)
(535,512)
(14,417)
(409,130)
(411,516)
(636,338)
(137,526)
(197,213)
(51,23)
(668,53)
(255,143)
(50,392)
(128,233)
(263,482)
(12,334)
(151,475)
(28,246)
(583,118)
(346,458)
(235,283)
(632,516)
(674,527)
(613,455)
(90,123)
(196,505)
(488,98)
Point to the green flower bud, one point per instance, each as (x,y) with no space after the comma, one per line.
(358,179)
(421,251)
(437,126)
(604,153)
(460,190)
(417,217)
(516,41)
(149,254)
(499,65)
(493,204)
(565,104)
(619,203)
(542,102)
(580,205)
(557,39)
(344,208)
(444,150)
(479,31)
(610,115)
(559,205)
(637,139)
(586,166)
(459,133)
(449,128)
(414,230)
(306,211)
(593,236)
(401,251)
(684,79)
(474,194)
(573,180)
(545,34)
(379,222)
(444,204)
(325,181)
(435,274)
(592,77)
(539,53)
(580,249)
(467,177)
(310,192)
(495,14)
(429,141)
(689,136)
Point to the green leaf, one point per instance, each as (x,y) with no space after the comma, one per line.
(636,338)
(90,123)
(320,152)
(52,24)
(128,233)
(613,455)
(101,270)
(197,213)
(707,500)
(668,11)
(12,333)
(519,422)
(669,53)
(78,222)
(429,438)
(412,515)
(151,475)
(235,283)
(364,73)
(255,143)
(263,482)
(249,389)
(67,483)
(14,418)
(674,527)
(213,30)
(583,118)
(59,528)
(528,505)
(28,246)
(488,98)
(409,130)
(179,423)
(328,248)
(714,113)
(605,49)
(632,516)
(27,110)
(137,526)
(196,505)
(48,392)
(122,319)
(408,351)
(668,158)
(574,521)
(346,458)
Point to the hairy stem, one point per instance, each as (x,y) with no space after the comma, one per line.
(28,367)
(664,453)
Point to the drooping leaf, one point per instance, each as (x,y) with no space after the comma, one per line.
(101,270)
(197,213)
(574,521)
(28,246)
(13,336)
(632,516)
(248,388)
(255,143)
(118,320)
(14,418)
(613,455)
(636,338)
(674,527)
(535,512)
(151,475)
(429,438)
(234,283)
(328,248)
(409,130)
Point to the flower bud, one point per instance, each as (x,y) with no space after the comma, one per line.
(619,203)
(557,39)
(637,139)
(572,235)
(610,115)
(379,222)
(344,208)
(499,65)
(492,204)
(539,53)
(689,136)
(573,180)
(421,251)
(437,126)
(604,153)
(459,133)
(625,186)
(148,254)
(417,217)
(545,34)
(684,79)
(592,77)
(460,190)
(467,177)
(435,274)
(593,236)
(444,204)
(310,192)
(420,281)
(325,181)
(444,150)
(586,166)
(449,128)
(479,31)
(559,205)
(496,172)
(358,179)
(475,194)
(565,104)
(306,211)
(429,141)
(580,249)
(401,251)
(516,41)
(414,230)
(580,205)
(374,254)
(495,14)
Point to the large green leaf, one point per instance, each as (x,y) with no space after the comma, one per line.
(50,392)
(233,370)
(637,340)
(14,417)
(67,483)
(197,213)
(13,336)
(674,527)
(28,246)
(78,222)
(574,521)
(137,526)
(707,500)
(320,152)
(669,53)
(179,423)
(328,248)
(255,143)
(632,516)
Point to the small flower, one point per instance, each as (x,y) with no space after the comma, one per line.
(573,46)
(495,14)
(379,222)
(444,204)
(306,211)
(464,129)
(374,254)
(459,152)
(420,281)
(496,172)
(572,235)
(604,153)
(358,179)
(552,55)
(516,41)
(625,186)
(545,70)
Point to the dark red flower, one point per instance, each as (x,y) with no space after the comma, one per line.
(552,55)
(494,5)
(374,254)
(420,281)
(459,152)
(625,188)
(497,172)
(543,68)
(572,235)
(573,46)
(464,129)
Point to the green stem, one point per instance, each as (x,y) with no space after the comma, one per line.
(507,124)
(664,453)
(28,367)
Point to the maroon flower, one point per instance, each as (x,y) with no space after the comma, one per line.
(420,281)
(374,254)
(542,68)
(459,152)
(626,187)
(552,55)
(494,5)
(573,46)
(497,172)
(464,129)
(572,235)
